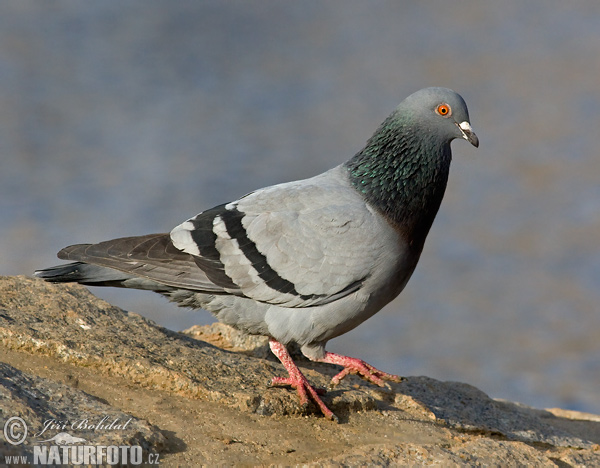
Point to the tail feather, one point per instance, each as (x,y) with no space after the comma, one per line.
(79,272)
(148,262)
(95,275)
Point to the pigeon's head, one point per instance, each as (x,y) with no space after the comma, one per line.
(403,169)
(441,113)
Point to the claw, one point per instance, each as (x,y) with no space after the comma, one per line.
(360,368)
(351,366)
(297,380)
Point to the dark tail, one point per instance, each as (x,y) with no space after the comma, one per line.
(83,273)
(94,275)
(149,262)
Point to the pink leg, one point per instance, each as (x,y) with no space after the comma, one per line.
(297,380)
(360,367)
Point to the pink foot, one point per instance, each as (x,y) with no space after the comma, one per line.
(360,367)
(297,380)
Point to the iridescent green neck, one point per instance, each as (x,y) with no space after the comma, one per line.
(402,172)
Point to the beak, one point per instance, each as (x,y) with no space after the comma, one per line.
(468,133)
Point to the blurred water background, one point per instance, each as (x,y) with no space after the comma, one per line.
(125,118)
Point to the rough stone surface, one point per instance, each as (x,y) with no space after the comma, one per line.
(47,406)
(230,339)
(70,355)
(68,323)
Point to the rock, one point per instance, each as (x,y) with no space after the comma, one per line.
(68,323)
(464,407)
(73,355)
(47,406)
(230,339)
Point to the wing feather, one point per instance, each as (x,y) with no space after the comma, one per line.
(152,256)
(299,244)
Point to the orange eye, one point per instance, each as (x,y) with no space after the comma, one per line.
(444,110)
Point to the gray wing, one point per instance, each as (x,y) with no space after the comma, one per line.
(298,244)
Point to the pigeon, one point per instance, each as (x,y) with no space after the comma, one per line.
(304,261)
